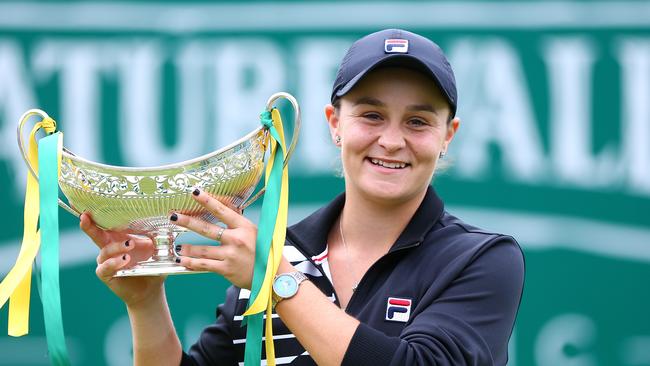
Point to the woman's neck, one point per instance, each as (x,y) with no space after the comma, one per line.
(371,226)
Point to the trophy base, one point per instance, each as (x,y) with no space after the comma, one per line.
(155,269)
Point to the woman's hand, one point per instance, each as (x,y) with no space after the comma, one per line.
(120,250)
(235,257)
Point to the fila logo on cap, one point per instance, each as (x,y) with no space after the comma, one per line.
(398,309)
(396,46)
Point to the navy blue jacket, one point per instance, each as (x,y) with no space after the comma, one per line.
(446,293)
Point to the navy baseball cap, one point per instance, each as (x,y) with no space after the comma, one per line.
(400,48)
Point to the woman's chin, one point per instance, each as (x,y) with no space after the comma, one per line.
(387,193)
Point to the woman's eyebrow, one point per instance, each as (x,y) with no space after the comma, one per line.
(421,107)
(411,108)
(370,101)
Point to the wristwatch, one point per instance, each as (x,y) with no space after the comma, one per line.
(286,285)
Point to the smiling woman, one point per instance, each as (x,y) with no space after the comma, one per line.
(393,127)
(382,275)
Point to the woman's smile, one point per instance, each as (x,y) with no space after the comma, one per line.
(388,163)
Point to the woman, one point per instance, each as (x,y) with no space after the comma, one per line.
(391,278)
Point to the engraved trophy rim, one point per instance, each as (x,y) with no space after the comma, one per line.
(151,169)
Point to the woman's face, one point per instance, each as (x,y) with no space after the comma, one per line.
(393,125)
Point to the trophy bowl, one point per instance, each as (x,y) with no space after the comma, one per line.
(140,200)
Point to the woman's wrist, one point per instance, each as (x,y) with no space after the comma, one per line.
(285,267)
(147,304)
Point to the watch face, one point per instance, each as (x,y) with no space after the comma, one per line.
(285,286)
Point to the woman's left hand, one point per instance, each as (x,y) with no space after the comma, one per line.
(234,258)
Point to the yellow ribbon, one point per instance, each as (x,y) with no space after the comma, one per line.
(264,300)
(16,285)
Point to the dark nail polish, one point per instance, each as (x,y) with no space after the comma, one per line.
(126,243)
(178,260)
(124,257)
(173,217)
(178,248)
(196,192)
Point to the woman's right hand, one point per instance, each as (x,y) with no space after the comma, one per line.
(120,250)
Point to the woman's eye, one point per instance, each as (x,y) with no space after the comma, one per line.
(372,116)
(416,122)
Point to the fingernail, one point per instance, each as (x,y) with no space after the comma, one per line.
(196,192)
(126,243)
(178,248)
(178,260)
(173,217)
(124,257)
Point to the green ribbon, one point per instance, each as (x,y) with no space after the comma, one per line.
(268,217)
(48,163)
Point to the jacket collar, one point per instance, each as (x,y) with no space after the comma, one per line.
(310,234)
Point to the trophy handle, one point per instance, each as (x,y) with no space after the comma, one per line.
(23,151)
(294,136)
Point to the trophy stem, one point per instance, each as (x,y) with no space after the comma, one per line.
(163,260)
(164,247)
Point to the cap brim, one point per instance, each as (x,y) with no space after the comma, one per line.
(397,60)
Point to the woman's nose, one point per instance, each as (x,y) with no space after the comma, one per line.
(392,138)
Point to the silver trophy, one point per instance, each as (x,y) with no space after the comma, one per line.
(140,200)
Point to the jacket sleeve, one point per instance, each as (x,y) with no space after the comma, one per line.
(469,323)
(215,346)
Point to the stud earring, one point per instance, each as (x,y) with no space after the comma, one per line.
(337,139)
(442,154)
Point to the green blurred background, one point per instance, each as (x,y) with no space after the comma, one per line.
(554,147)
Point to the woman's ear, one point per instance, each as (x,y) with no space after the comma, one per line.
(452,128)
(333,123)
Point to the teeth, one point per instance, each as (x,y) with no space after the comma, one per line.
(386,164)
